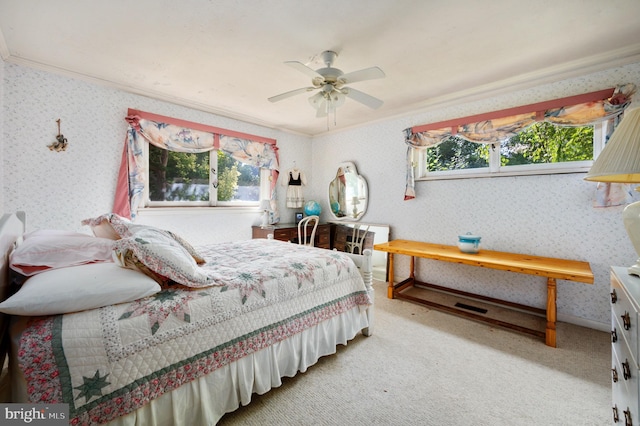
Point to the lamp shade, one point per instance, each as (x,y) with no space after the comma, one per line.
(619,161)
(265,205)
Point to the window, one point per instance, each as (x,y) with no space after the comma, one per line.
(186,179)
(542,148)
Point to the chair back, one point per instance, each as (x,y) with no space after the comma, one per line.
(357,239)
(302,230)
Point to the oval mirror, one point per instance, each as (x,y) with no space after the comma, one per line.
(348,194)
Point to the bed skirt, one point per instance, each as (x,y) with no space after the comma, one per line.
(205,400)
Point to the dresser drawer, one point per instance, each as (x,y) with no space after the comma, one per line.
(282,234)
(625,388)
(626,319)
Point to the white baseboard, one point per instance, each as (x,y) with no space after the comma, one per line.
(585,322)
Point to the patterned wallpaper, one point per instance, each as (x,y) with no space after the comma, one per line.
(543,215)
(2,209)
(59,189)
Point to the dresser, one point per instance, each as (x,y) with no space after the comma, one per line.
(289,231)
(625,295)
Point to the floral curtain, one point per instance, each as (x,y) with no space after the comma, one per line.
(575,111)
(182,136)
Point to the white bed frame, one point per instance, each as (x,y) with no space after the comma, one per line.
(12,226)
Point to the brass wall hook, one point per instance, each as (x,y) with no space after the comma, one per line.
(61,142)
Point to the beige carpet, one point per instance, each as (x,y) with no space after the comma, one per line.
(425,367)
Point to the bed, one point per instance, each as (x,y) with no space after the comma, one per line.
(146,337)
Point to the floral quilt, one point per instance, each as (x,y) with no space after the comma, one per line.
(110,361)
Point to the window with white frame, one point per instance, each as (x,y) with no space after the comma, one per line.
(558,136)
(212,178)
(542,148)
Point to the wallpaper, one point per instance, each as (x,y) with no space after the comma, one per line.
(59,189)
(542,215)
(1,132)
(547,215)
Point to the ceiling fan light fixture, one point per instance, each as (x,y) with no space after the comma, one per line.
(329,82)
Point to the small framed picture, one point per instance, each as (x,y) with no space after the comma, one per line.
(298,217)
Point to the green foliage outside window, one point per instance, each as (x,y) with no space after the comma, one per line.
(180,176)
(227,177)
(538,144)
(546,143)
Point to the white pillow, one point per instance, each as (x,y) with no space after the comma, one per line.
(47,249)
(78,288)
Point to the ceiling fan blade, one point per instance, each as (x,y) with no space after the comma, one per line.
(304,69)
(362,97)
(362,75)
(290,94)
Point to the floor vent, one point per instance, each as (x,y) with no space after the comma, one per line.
(471,308)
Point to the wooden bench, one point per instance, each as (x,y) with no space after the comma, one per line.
(551,268)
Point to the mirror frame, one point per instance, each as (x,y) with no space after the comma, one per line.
(363,199)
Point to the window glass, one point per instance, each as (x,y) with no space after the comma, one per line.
(545,143)
(178,176)
(181,178)
(237,181)
(456,154)
(541,148)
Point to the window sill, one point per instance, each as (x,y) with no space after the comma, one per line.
(519,171)
(187,211)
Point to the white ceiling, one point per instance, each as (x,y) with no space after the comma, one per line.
(227,56)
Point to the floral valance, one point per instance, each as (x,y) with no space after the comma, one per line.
(497,126)
(184,136)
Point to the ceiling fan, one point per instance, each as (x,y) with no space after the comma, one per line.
(331,83)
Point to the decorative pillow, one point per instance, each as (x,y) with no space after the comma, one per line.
(163,255)
(51,249)
(112,226)
(78,288)
(103,229)
(127,259)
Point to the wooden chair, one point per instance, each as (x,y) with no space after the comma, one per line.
(303,225)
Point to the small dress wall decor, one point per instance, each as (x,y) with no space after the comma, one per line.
(295,181)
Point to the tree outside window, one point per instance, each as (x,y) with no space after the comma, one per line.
(187,177)
(541,143)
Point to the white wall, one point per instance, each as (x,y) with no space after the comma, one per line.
(541,215)
(59,189)
(1,132)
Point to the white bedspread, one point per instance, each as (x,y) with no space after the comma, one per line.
(111,361)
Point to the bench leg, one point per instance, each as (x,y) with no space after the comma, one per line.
(550,332)
(390,273)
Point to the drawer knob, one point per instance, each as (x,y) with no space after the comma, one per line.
(614,296)
(627,417)
(626,320)
(614,375)
(626,371)
(616,418)
(614,335)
